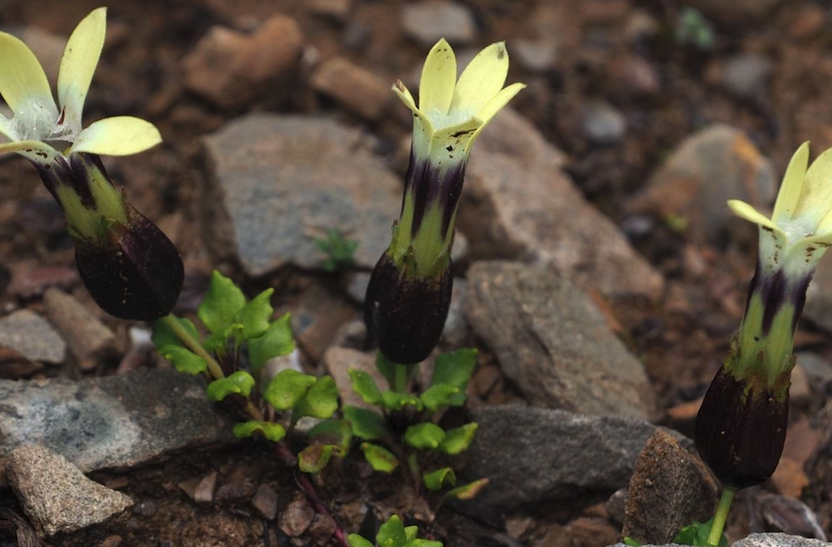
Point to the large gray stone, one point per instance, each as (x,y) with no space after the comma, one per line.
(279,182)
(518,203)
(767,539)
(110,422)
(32,336)
(551,340)
(533,455)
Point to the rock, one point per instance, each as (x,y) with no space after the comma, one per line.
(670,489)
(517,203)
(588,531)
(746,76)
(322,528)
(602,123)
(297,517)
(297,177)
(783,514)
(817,369)
(31,336)
(89,340)
(54,493)
(113,421)
(551,341)
(538,56)
(334,9)
(28,283)
(778,540)
(819,296)
(807,22)
(736,12)
(714,165)
(231,69)
(633,76)
(575,457)
(339,361)
(428,21)
(265,501)
(204,491)
(355,88)
(316,322)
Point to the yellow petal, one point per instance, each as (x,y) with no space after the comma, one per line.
(404,94)
(453,144)
(37,151)
(816,195)
(498,103)
(789,193)
(78,64)
(22,78)
(119,136)
(436,88)
(482,79)
(749,213)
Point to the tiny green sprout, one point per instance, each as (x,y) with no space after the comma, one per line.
(393,534)
(693,28)
(339,252)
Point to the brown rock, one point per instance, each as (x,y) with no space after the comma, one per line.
(592,531)
(339,361)
(31,283)
(297,517)
(670,489)
(265,501)
(322,528)
(204,491)
(355,88)
(231,69)
(318,319)
(789,478)
(89,340)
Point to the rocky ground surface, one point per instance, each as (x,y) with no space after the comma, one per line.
(599,272)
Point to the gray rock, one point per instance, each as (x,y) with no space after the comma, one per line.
(551,341)
(88,338)
(714,165)
(602,123)
(279,182)
(427,22)
(535,55)
(32,336)
(339,361)
(533,455)
(518,203)
(746,76)
(114,421)
(54,493)
(817,369)
(778,540)
(819,296)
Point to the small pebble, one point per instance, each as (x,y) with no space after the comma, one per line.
(265,502)
(297,517)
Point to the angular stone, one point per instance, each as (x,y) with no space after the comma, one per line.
(778,540)
(280,182)
(297,517)
(54,493)
(32,336)
(573,456)
(714,165)
(113,421)
(427,22)
(265,501)
(88,338)
(339,361)
(551,340)
(670,489)
(355,88)
(518,203)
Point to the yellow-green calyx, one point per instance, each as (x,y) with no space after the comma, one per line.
(449,117)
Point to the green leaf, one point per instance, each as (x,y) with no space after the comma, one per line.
(320,402)
(440,478)
(439,396)
(162,335)
(354,540)
(391,533)
(239,383)
(255,316)
(458,439)
(627,540)
(276,341)
(380,458)
(423,543)
(422,436)
(410,532)
(272,431)
(396,401)
(222,303)
(314,458)
(337,432)
(366,424)
(467,491)
(183,359)
(455,369)
(218,341)
(697,534)
(365,386)
(287,388)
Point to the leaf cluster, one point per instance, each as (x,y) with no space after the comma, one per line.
(338,250)
(394,534)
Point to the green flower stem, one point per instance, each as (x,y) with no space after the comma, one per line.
(401,374)
(720,516)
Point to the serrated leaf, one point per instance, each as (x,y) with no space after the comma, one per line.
(467,491)
(391,533)
(455,369)
(184,359)
(366,424)
(222,303)
(354,540)
(239,383)
(272,431)
(287,388)
(424,436)
(313,459)
(162,335)
(458,439)
(396,401)
(365,386)
(337,432)
(320,402)
(276,341)
(255,316)
(440,478)
(386,367)
(380,458)
(439,396)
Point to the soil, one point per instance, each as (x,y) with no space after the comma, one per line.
(138,75)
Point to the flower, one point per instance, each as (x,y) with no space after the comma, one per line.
(39,121)
(409,293)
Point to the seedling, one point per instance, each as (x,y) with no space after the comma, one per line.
(694,29)
(338,250)
(393,534)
